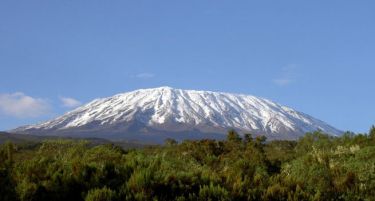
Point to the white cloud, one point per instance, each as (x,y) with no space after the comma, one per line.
(288,75)
(70,102)
(145,75)
(282,81)
(20,105)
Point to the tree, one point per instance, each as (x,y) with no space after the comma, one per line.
(372,132)
(260,140)
(248,138)
(6,153)
(170,142)
(103,194)
(7,187)
(233,136)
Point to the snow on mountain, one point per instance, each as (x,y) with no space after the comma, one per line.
(164,110)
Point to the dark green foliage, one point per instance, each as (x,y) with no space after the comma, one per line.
(102,194)
(170,142)
(316,167)
(248,138)
(213,193)
(7,185)
(372,133)
(233,136)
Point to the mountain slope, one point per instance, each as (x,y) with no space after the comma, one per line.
(167,112)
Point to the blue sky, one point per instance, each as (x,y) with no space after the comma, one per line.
(315,56)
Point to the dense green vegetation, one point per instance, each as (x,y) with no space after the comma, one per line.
(316,167)
(34,140)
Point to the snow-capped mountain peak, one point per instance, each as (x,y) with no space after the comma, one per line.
(169,110)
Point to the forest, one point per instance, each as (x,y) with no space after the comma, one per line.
(242,167)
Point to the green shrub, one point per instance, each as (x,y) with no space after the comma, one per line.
(102,194)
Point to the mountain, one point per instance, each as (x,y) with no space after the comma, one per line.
(158,113)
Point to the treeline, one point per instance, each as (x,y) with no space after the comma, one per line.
(316,167)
